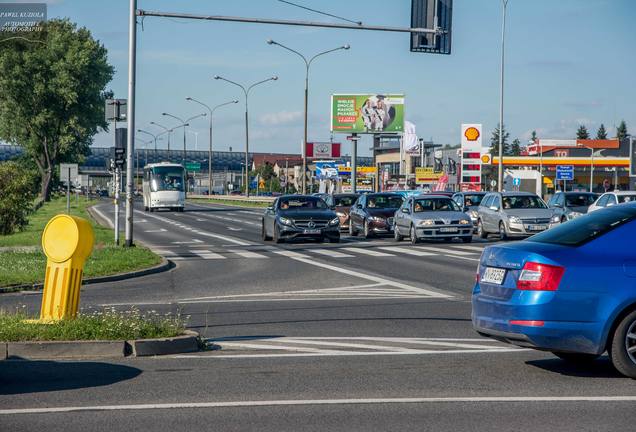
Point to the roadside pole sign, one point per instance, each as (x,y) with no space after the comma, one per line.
(471,153)
(565,172)
(68,172)
(516,181)
(193,166)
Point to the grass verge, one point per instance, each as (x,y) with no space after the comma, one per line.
(106,325)
(229,202)
(28,266)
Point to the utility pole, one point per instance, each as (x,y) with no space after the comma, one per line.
(130,118)
(501,100)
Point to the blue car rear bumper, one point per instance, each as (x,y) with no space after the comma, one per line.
(565,318)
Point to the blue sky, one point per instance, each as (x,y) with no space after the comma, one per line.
(569,62)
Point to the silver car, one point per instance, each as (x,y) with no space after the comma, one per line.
(512,214)
(431,217)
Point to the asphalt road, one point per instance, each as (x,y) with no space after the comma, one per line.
(361,335)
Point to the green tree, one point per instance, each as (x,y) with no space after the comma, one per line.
(533,136)
(16,199)
(601,134)
(52,95)
(621,130)
(494,141)
(515,147)
(582,133)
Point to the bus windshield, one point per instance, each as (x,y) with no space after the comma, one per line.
(169,178)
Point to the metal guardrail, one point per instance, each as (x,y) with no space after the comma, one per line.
(238,198)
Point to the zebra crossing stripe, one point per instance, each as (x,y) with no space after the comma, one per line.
(290,254)
(470,248)
(369,252)
(407,251)
(206,254)
(247,254)
(444,251)
(331,253)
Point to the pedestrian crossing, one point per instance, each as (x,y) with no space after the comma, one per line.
(245,346)
(198,251)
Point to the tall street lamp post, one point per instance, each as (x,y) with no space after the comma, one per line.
(166,130)
(154,137)
(307,64)
(211,111)
(501,99)
(183,124)
(246,92)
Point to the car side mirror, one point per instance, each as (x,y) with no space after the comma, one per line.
(609,204)
(495,208)
(332,207)
(270,208)
(406,210)
(359,206)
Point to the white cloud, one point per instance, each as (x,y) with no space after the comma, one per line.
(280,118)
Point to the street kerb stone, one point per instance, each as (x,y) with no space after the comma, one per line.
(66,349)
(152,347)
(3,351)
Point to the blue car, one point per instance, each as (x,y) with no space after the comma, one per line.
(570,290)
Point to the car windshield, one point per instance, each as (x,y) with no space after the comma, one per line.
(523,202)
(434,204)
(581,230)
(301,203)
(473,200)
(345,200)
(626,198)
(384,201)
(580,200)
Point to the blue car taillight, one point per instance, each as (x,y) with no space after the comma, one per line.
(540,277)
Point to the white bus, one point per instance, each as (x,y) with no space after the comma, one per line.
(164,186)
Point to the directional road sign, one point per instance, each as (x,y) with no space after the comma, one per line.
(565,172)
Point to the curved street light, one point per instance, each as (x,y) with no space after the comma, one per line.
(246,92)
(165,130)
(211,111)
(307,65)
(183,124)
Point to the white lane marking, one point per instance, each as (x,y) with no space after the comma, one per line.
(206,254)
(303,402)
(156,230)
(303,341)
(470,248)
(103,216)
(203,233)
(407,251)
(331,253)
(290,254)
(234,229)
(462,257)
(366,251)
(443,250)
(186,242)
(421,291)
(273,347)
(247,254)
(353,353)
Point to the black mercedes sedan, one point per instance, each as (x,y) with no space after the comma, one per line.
(300,216)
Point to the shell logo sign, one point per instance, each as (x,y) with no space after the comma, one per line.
(485,158)
(471,133)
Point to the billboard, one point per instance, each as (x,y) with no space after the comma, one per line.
(426,175)
(471,153)
(367,113)
(323,150)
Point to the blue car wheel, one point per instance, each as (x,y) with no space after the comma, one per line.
(623,348)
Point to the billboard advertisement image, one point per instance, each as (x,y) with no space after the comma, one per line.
(367,113)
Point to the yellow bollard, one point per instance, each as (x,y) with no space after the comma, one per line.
(67,242)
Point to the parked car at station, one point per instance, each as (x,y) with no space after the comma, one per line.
(512,214)
(300,216)
(569,205)
(570,290)
(432,217)
(609,199)
(373,214)
(469,202)
(341,203)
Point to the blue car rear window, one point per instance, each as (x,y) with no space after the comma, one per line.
(586,228)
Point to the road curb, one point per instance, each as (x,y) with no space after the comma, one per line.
(165,265)
(47,350)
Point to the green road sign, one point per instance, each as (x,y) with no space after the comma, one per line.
(193,166)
